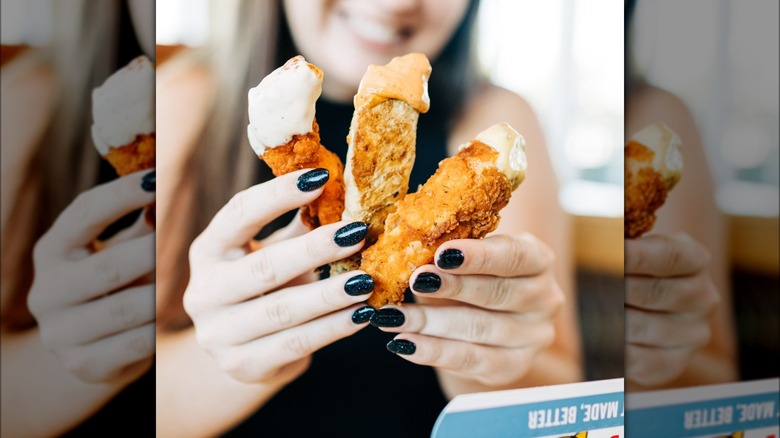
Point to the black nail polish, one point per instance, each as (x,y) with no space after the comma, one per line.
(401,346)
(359,285)
(388,318)
(427,282)
(149,181)
(312,180)
(450,259)
(363,314)
(351,234)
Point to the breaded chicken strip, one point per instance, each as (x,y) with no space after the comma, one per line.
(382,139)
(461,200)
(653,166)
(123,129)
(283,132)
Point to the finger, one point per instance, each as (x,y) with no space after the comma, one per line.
(678,294)
(535,293)
(262,358)
(102,360)
(249,210)
(665,330)
(664,256)
(139,228)
(651,366)
(92,211)
(101,318)
(501,255)
(489,365)
(467,324)
(294,229)
(291,307)
(277,264)
(109,270)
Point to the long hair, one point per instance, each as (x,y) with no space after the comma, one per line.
(64,162)
(248,39)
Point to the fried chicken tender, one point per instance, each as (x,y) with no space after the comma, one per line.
(123,130)
(653,166)
(382,139)
(284,133)
(305,151)
(462,200)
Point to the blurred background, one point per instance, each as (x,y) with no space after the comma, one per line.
(566,60)
(721,59)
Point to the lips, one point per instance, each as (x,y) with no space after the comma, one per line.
(377,32)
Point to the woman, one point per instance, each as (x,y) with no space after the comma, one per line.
(679,326)
(291,361)
(64,351)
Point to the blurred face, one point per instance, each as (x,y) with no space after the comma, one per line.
(344,36)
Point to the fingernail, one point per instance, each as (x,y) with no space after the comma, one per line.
(149,181)
(363,314)
(450,259)
(388,318)
(359,285)
(312,180)
(401,346)
(351,234)
(427,282)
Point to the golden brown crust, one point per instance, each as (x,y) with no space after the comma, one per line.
(136,156)
(461,200)
(305,151)
(133,157)
(382,139)
(645,190)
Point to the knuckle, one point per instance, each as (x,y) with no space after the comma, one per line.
(479,328)
(673,258)
(140,345)
(299,346)
(557,300)
(711,298)
(517,258)
(330,299)
(236,206)
(261,268)
(279,312)
(501,295)
(125,313)
(235,364)
(656,293)
(468,360)
(636,329)
(107,270)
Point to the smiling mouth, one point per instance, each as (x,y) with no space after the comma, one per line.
(377,32)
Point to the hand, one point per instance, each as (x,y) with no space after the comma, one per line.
(669,298)
(483,312)
(258,313)
(92,311)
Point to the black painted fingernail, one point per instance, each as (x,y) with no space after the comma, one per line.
(388,318)
(450,259)
(149,181)
(401,346)
(427,282)
(359,285)
(312,180)
(351,234)
(363,314)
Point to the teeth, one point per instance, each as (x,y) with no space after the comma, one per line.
(374,31)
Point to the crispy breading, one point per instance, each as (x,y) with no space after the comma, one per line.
(135,156)
(305,151)
(645,190)
(461,200)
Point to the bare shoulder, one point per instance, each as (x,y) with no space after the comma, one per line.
(492,104)
(649,104)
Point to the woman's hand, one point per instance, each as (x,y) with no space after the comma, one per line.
(483,313)
(669,298)
(258,313)
(92,310)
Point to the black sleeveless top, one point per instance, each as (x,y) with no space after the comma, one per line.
(340,394)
